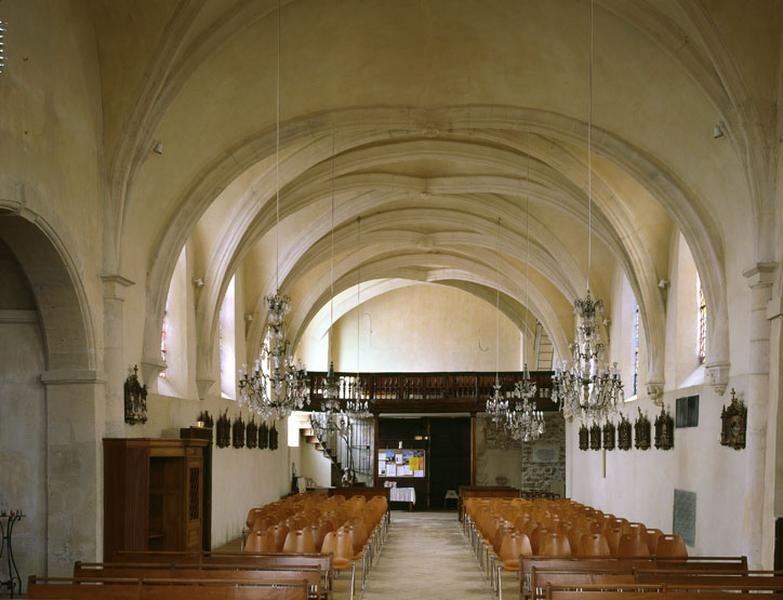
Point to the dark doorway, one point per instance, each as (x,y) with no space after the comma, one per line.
(446,441)
(450,458)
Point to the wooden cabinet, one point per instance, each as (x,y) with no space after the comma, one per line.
(153,496)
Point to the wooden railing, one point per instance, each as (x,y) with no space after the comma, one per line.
(431,392)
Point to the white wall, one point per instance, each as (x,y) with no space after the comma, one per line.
(426,328)
(639,485)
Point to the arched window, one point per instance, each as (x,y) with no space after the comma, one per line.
(164,342)
(226,343)
(702,328)
(635,348)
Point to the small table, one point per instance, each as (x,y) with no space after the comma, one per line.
(7,522)
(405,494)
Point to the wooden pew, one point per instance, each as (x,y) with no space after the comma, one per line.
(623,565)
(671,578)
(64,588)
(311,574)
(661,591)
(266,559)
(543,578)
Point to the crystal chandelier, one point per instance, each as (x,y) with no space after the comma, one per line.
(524,421)
(277,385)
(587,388)
(330,392)
(497,404)
(357,407)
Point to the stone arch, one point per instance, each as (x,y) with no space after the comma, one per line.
(365,126)
(59,293)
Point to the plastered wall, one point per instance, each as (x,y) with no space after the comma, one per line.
(426,328)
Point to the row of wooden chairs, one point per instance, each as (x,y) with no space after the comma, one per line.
(351,530)
(503,530)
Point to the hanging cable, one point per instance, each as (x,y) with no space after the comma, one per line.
(527,264)
(497,306)
(590,145)
(358,290)
(277,155)
(331,260)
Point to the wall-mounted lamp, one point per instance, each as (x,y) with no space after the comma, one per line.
(198,282)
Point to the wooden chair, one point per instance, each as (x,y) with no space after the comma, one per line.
(671,546)
(652,536)
(279,532)
(339,545)
(593,545)
(300,542)
(632,546)
(260,541)
(555,545)
(613,538)
(536,537)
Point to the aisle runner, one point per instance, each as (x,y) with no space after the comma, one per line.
(426,557)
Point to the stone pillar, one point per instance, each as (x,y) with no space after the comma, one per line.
(75,418)
(756,397)
(773,499)
(114,287)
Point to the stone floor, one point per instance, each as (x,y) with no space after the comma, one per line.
(425,557)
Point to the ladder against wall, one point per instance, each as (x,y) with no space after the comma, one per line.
(544,349)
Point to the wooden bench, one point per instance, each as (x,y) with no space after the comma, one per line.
(543,578)
(661,591)
(542,564)
(64,588)
(751,579)
(311,574)
(253,559)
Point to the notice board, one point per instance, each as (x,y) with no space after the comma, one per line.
(401,462)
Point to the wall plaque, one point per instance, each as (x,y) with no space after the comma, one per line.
(584,438)
(664,430)
(734,423)
(251,433)
(595,437)
(624,434)
(642,431)
(223,431)
(609,435)
(238,433)
(545,455)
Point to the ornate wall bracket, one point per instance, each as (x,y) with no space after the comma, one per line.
(718,376)
(655,392)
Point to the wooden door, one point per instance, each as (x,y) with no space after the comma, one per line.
(194,478)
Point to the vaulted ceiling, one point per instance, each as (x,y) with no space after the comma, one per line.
(426,122)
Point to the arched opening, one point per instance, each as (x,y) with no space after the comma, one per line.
(52,406)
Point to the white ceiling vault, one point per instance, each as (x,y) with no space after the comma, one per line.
(437,119)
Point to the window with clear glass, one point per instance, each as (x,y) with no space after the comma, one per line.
(702,328)
(164,344)
(226,343)
(635,349)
